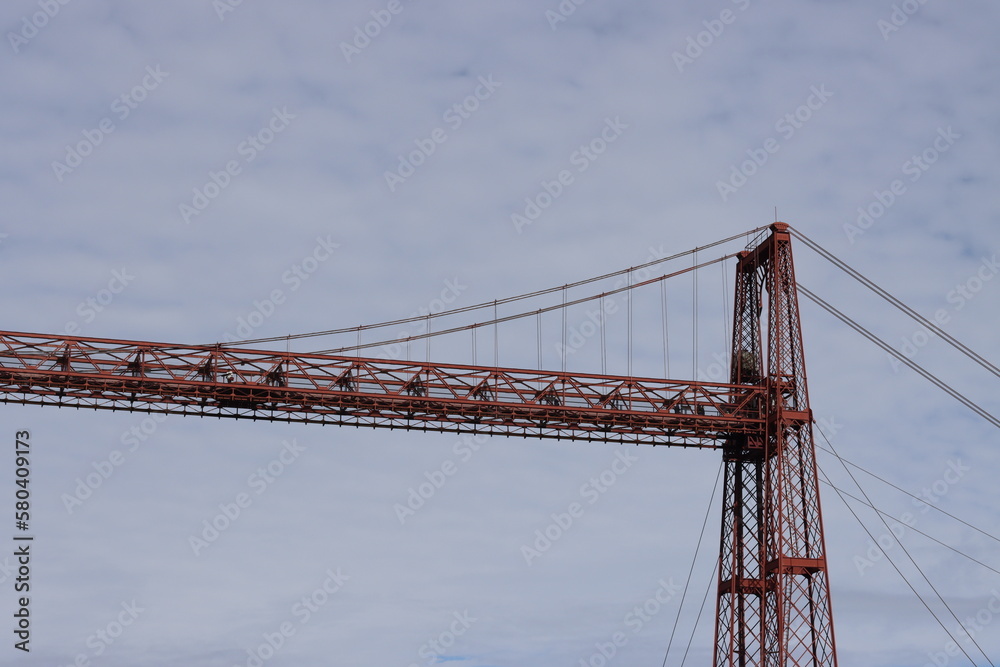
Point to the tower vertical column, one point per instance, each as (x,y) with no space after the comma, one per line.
(773,598)
(742,613)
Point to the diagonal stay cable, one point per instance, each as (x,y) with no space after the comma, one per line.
(917,317)
(701,611)
(911,495)
(909,556)
(902,358)
(694,559)
(913,528)
(893,563)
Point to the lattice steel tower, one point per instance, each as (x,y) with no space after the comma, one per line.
(774,596)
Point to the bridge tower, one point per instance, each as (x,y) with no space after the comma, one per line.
(773,604)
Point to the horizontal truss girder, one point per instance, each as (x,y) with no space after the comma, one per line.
(220,381)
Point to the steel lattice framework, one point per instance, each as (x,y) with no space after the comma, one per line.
(773,595)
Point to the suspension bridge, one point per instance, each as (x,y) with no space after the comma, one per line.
(773,592)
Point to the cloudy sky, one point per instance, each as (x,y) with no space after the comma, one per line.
(199,171)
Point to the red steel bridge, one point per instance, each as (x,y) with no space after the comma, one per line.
(773,595)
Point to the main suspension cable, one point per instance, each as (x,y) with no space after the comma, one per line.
(509,318)
(501,302)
